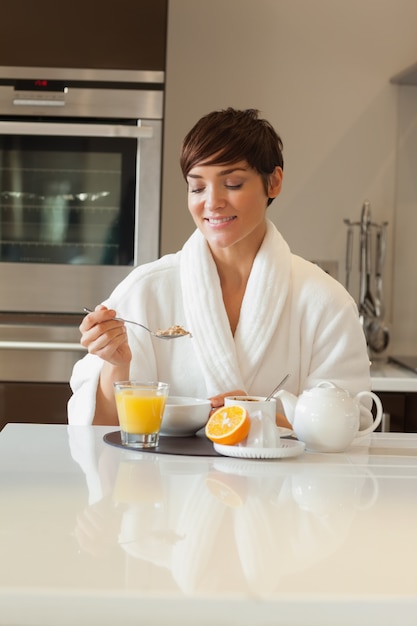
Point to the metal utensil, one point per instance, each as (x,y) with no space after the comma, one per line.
(366,300)
(379,264)
(376,331)
(158,334)
(273,392)
(377,335)
(369,300)
(349,249)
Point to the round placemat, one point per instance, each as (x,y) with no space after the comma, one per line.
(190,446)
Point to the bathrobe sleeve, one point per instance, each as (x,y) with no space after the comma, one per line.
(150,294)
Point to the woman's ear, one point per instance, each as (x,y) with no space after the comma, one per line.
(275,182)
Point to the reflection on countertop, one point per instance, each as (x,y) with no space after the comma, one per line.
(92,529)
(185,514)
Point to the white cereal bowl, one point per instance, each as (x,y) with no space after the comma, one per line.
(183,416)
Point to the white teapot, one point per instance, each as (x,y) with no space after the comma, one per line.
(327,418)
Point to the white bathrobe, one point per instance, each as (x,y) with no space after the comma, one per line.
(294,319)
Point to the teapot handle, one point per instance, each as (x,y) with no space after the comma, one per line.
(379,412)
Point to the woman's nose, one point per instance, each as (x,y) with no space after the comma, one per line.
(214,199)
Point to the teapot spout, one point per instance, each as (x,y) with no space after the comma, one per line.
(289,402)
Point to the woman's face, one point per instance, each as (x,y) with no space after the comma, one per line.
(228,202)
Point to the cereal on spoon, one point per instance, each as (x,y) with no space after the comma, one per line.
(173,330)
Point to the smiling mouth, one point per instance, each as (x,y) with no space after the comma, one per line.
(219,220)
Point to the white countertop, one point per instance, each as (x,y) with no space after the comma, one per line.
(92,534)
(387,376)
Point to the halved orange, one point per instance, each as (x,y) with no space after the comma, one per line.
(230,489)
(228,425)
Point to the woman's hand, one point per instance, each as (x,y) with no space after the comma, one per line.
(106,337)
(218,401)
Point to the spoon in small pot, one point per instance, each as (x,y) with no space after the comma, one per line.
(273,392)
(175,332)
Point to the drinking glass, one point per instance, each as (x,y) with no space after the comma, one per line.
(140,407)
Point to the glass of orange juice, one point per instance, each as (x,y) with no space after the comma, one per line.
(140,407)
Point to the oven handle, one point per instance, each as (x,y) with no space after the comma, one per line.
(75,130)
(41,345)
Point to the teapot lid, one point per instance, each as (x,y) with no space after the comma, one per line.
(327,387)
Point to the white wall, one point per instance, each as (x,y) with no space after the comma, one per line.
(404,301)
(319,70)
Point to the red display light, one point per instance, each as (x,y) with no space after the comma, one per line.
(41,83)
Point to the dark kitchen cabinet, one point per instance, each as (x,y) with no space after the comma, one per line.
(34,403)
(128,34)
(401,409)
(411,413)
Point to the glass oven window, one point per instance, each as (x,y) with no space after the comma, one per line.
(67,200)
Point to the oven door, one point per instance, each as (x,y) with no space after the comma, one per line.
(79,206)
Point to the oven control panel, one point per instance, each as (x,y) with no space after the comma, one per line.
(39,92)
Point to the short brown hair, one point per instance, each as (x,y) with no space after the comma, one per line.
(229,136)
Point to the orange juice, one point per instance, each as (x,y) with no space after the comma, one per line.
(140,407)
(139,413)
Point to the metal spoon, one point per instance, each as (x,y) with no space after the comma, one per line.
(273,392)
(366,300)
(380,258)
(377,335)
(349,250)
(158,334)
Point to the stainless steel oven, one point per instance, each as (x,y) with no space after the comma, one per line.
(80,178)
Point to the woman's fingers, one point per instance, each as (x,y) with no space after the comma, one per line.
(218,401)
(100,315)
(105,336)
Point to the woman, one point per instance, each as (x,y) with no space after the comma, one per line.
(256,312)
